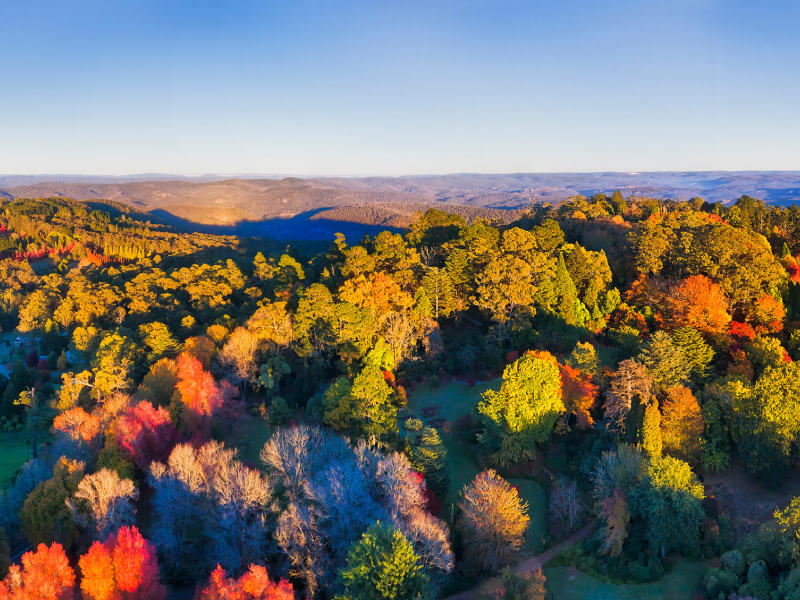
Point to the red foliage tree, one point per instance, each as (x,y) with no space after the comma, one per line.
(580,395)
(78,425)
(122,567)
(199,394)
(145,433)
(42,365)
(45,575)
(32,358)
(741,332)
(253,585)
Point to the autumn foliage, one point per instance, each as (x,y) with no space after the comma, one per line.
(681,424)
(123,567)
(78,425)
(580,395)
(253,585)
(145,434)
(45,574)
(700,303)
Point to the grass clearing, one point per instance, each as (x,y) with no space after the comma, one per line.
(681,584)
(248,435)
(12,457)
(455,400)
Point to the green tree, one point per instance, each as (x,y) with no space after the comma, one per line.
(112,458)
(158,385)
(158,338)
(697,352)
(382,565)
(567,305)
(370,396)
(651,429)
(525,409)
(670,501)
(430,459)
(45,516)
(440,292)
(279,411)
(664,362)
(770,423)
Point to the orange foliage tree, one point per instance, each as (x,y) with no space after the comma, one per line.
(681,424)
(45,575)
(78,425)
(767,314)
(580,396)
(122,567)
(377,292)
(700,303)
(253,585)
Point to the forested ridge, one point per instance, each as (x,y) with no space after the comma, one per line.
(638,346)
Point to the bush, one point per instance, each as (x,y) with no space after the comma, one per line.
(718,582)
(733,561)
(435,381)
(413,425)
(279,411)
(757,572)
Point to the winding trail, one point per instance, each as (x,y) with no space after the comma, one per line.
(535,562)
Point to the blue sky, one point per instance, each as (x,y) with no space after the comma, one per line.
(392,88)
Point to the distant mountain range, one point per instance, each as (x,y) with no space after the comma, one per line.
(247,204)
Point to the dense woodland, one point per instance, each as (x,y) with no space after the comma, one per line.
(640,344)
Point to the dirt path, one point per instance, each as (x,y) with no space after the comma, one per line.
(535,562)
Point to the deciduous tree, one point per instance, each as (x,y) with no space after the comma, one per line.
(524,410)
(104,502)
(682,425)
(253,585)
(44,575)
(123,566)
(493,521)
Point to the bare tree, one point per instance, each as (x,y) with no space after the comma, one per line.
(104,502)
(400,333)
(233,503)
(238,357)
(336,491)
(564,503)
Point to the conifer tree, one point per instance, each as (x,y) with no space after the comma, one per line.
(430,459)
(651,429)
(567,294)
(697,352)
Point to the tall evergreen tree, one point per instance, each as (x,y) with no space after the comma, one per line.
(697,352)
(430,459)
(651,429)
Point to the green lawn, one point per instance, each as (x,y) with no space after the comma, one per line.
(456,400)
(248,435)
(681,584)
(12,457)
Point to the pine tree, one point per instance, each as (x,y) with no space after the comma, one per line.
(430,459)
(566,292)
(697,352)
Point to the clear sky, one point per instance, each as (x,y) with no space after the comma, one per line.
(398,87)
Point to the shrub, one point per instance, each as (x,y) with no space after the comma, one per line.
(413,425)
